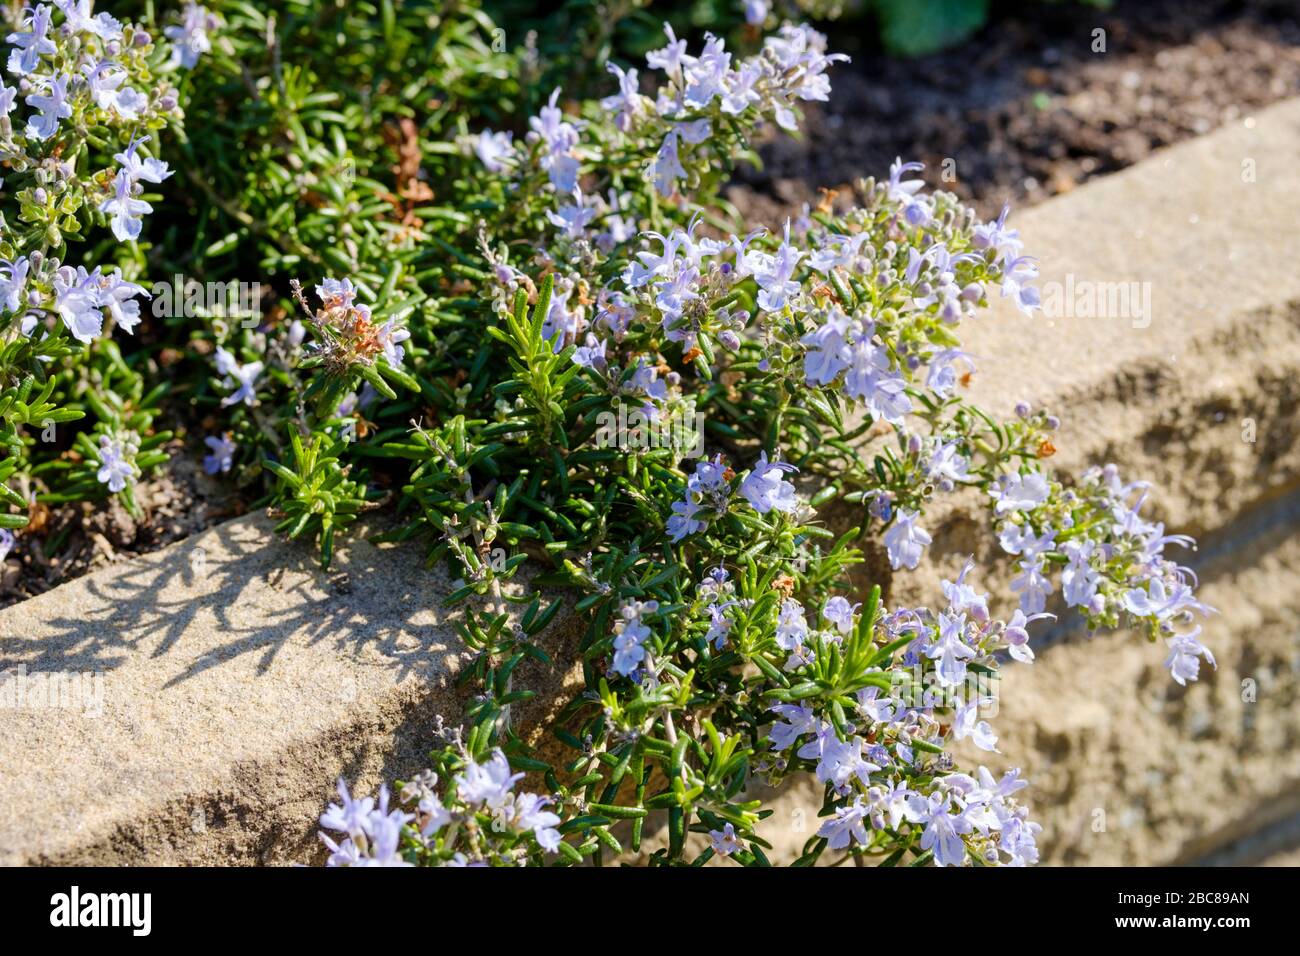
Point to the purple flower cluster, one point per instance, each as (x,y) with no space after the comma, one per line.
(374,835)
(708,494)
(630,635)
(881,766)
(1115,570)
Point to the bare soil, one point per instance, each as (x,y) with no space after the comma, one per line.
(1026,109)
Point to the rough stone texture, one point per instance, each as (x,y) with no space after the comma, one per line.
(239,681)
(237,691)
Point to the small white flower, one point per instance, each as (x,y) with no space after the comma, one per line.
(223,452)
(115,467)
(724,841)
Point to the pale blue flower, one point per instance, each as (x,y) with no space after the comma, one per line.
(487,784)
(559,137)
(943,832)
(765,489)
(1162,602)
(336,293)
(871,381)
(719,624)
(706,75)
(223,453)
(496,151)
(904,192)
(1019,272)
(669,58)
(390,336)
(841,761)
(1080,579)
(530,813)
(33,43)
(630,635)
(109,28)
(435,815)
(1020,539)
(836,251)
(966,723)
(791,625)
(947,466)
(190,38)
(243,378)
(627,104)
(342,853)
(846,825)
(1184,653)
(950,650)
(840,612)
(573,218)
(78,16)
(13,282)
(995,235)
(668,168)
(119,297)
(798,721)
(77,301)
(1017,634)
(775,281)
(53,106)
(348,816)
(905,541)
(828,352)
(591,354)
(942,375)
(115,467)
(125,211)
(1017,840)
(963,597)
(136,169)
(739,91)
(724,842)
(1016,492)
(1032,585)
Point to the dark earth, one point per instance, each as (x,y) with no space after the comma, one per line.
(1025,109)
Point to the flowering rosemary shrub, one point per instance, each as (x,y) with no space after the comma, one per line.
(84,102)
(528,326)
